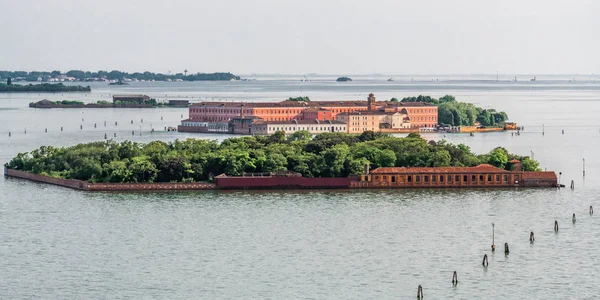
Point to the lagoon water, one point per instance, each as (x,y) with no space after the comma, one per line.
(57,243)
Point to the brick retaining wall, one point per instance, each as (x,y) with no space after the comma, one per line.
(158,186)
(70,183)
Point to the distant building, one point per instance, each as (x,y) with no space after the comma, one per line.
(140,99)
(181,103)
(358,116)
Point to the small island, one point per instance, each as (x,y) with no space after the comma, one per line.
(119,101)
(343,79)
(42,88)
(334,160)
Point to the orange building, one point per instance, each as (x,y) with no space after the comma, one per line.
(420,114)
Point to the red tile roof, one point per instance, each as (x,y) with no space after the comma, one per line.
(514,161)
(314,104)
(484,168)
(539,175)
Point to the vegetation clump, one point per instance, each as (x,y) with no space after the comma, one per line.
(69,102)
(324,155)
(299,99)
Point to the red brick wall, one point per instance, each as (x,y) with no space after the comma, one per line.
(159,186)
(281,182)
(70,183)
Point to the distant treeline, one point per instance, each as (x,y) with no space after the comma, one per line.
(113,75)
(44,87)
(454,113)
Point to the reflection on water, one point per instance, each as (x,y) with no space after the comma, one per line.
(326,244)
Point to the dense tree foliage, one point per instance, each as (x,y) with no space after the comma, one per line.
(454,113)
(299,99)
(325,155)
(115,75)
(44,87)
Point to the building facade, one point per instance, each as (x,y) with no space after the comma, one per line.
(479,176)
(289,127)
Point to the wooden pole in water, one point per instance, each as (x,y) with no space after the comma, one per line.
(506,251)
(493,238)
(454,278)
(485,262)
(420,292)
(555,225)
(531,237)
(584,167)
(574,219)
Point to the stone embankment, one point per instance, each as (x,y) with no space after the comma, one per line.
(88,186)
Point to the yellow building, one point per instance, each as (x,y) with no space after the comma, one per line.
(360,121)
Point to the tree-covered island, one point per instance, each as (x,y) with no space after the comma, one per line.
(42,88)
(194,160)
(114,75)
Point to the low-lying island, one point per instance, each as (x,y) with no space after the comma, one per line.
(485,176)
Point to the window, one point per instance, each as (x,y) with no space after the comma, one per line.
(426,179)
(497,178)
(450,178)
(489,178)
(409,178)
(505,179)
(480,178)
(384,178)
(442,179)
(473,178)
(393,179)
(418,179)
(377,178)
(464,178)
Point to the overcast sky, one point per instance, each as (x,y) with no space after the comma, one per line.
(303,36)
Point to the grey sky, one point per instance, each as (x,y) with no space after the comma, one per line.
(303,36)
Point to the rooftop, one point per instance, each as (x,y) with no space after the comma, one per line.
(483,168)
(130,96)
(539,175)
(311,104)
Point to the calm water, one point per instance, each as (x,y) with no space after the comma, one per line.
(56,243)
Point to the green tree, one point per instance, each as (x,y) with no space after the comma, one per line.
(301,135)
(275,162)
(498,158)
(529,164)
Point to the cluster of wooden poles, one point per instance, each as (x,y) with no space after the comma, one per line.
(10,133)
(485,262)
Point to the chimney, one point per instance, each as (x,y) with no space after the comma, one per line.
(515,165)
(366,169)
